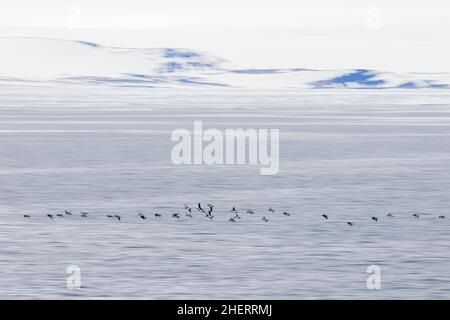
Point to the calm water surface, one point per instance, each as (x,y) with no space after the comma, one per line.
(351,155)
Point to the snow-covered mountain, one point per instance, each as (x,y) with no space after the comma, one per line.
(37,60)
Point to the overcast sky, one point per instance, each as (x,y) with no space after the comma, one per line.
(395,35)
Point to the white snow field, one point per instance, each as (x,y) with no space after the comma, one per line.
(35,60)
(97,139)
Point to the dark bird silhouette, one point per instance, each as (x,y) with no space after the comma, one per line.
(175,215)
(250,212)
(84,215)
(374,218)
(325,216)
(234,210)
(199,208)
(271,210)
(415,215)
(231,220)
(68,212)
(50,216)
(157,215)
(286,214)
(142,216)
(59,215)
(350,223)
(110,216)
(190,210)
(389,215)
(117,217)
(264,219)
(441,217)
(26,216)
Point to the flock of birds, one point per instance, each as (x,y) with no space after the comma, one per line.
(208,212)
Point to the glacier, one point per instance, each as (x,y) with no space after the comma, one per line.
(51,61)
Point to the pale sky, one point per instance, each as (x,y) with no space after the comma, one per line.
(392,35)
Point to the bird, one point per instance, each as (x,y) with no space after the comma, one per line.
(110,216)
(26,216)
(84,215)
(68,212)
(234,210)
(350,223)
(325,216)
(50,216)
(231,220)
(117,217)
(271,210)
(374,218)
(59,215)
(250,212)
(157,215)
(209,213)
(389,215)
(175,215)
(142,216)
(190,210)
(286,214)
(441,217)
(415,215)
(264,219)
(199,208)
